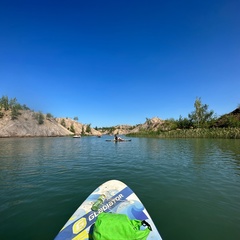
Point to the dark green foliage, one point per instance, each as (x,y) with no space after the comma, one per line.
(184,123)
(13,105)
(39,117)
(15,112)
(88,128)
(83,132)
(232,121)
(4,103)
(25,107)
(232,133)
(49,115)
(72,129)
(200,124)
(63,123)
(229,121)
(169,124)
(201,115)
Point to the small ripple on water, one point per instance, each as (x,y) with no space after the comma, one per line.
(179,181)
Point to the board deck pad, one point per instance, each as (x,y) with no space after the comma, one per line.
(119,199)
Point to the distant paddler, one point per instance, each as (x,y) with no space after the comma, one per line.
(116,138)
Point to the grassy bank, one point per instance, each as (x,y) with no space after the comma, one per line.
(230,133)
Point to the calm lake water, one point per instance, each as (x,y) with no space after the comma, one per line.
(190,187)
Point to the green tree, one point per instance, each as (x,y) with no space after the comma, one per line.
(12,102)
(184,123)
(39,117)
(49,115)
(63,123)
(88,128)
(25,107)
(75,118)
(15,112)
(72,129)
(170,124)
(201,115)
(230,121)
(4,102)
(83,132)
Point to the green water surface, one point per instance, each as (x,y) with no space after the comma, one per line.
(190,187)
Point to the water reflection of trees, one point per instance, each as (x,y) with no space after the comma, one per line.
(216,152)
(200,152)
(230,147)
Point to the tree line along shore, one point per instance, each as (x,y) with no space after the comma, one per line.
(200,123)
(217,133)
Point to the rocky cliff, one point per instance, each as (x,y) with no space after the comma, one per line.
(79,128)
(152,124)
(27,125)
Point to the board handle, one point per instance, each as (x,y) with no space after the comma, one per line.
(146,224)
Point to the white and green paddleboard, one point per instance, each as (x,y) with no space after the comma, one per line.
(119,199)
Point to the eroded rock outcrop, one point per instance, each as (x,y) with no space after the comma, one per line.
(27,125)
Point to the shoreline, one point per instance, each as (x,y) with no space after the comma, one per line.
(214,133)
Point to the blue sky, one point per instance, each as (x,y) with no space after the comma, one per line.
(120,62)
